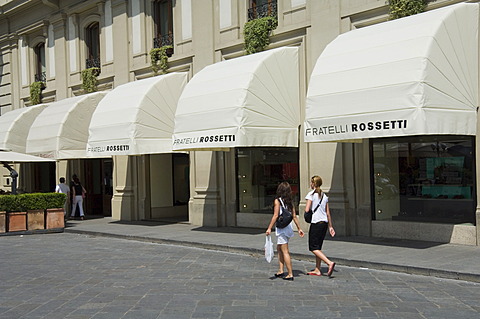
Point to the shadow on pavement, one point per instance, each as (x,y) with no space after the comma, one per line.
(386,242)
(235,230)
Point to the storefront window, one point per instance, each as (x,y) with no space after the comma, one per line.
(425,179)
(259,171)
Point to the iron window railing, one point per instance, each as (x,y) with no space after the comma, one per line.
(163,40)
(92,63)
(41,77)
(262,11)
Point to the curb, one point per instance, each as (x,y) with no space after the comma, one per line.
(33,232)
(444,274)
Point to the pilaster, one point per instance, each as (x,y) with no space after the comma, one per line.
(60,48)
(121,46)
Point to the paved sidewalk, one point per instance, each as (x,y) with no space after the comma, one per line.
(415,257)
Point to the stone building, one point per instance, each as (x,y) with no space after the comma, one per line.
(385,111)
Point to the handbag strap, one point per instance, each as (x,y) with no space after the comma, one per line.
(321,198)
(281,203)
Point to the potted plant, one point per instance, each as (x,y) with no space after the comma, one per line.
(16,219)
(34,205)
(257,33)
(36,92)
(90,79)
(3,222)
(33,212)
(55,213)
(159,58)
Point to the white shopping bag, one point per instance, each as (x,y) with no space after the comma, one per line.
(268,248)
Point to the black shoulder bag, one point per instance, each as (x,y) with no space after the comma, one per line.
(285,217)
(308,215)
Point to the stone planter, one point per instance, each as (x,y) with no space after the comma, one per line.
(36,219)
(3,222)
(55,218)
(17,221)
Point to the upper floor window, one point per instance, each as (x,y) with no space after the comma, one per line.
(163,23)
(262,8)
(40,66)
(92,40)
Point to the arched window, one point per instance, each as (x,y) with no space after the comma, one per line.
(40,66)
(92,40)
(262,8)
(163,23)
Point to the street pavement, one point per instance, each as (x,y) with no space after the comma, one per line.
(79,276)
(413,257)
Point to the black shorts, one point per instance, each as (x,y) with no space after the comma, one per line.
(316,235)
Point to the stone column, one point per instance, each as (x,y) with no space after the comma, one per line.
(123,201)
(329,160)
(207,168)
(205,207)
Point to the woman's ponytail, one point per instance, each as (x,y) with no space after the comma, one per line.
(317,183)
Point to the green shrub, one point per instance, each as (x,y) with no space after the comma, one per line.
(405,8)
(159,59)
(90,80)
(24,202)
(257,33)
(36,92)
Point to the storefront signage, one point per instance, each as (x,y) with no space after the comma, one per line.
(109,148)
(205,139)
(357,127)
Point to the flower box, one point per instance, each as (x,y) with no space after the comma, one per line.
(17,221)
(35,219)
(3,222)
(55,218)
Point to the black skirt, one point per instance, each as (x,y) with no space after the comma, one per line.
(316,235)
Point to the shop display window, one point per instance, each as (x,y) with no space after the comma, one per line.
(259,171)
(426,179)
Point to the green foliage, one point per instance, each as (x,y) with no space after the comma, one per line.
(257,33)
(25,202)
(405,8)
(36,92)
(159,59)
(89,79)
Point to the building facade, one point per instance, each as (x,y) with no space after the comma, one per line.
(382,186)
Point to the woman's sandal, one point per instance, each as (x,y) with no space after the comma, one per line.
(288,278)
(278,275)
(330,269)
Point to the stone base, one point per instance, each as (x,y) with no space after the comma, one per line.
(443,233)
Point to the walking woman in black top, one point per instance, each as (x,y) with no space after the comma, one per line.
(78,194)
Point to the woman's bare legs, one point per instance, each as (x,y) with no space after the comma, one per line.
(286,259)
(319,257)
(281,261)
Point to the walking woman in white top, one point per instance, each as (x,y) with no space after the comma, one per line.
(284,198)
(321,221)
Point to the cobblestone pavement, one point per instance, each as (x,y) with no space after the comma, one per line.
(77,276)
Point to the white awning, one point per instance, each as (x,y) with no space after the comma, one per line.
(137,118)
(412,76)
(16,157)
(14,127)
(248,101)
(61,130)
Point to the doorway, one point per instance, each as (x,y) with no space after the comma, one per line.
(99,186)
